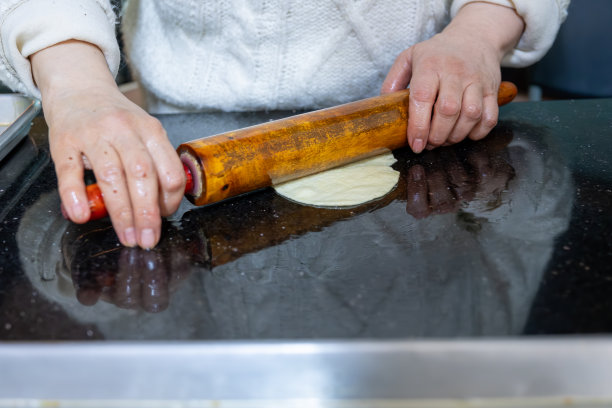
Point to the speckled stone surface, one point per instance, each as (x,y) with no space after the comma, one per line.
(506,237)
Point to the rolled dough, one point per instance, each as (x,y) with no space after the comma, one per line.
(349,185)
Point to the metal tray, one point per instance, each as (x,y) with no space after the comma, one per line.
(18,170)
(16,114)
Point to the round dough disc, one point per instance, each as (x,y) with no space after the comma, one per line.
(349,185)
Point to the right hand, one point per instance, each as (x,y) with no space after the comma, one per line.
(93,125)
(454,76)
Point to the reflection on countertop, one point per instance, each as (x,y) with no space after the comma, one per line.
(458,248)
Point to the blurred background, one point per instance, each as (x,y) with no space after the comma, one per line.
(578,64)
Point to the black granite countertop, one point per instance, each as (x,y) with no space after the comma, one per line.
(511,236)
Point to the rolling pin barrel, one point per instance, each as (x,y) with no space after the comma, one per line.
(237,162)
(248,159)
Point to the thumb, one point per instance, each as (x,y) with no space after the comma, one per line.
(400,73)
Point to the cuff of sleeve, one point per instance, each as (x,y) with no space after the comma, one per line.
(542,20)
(38,24)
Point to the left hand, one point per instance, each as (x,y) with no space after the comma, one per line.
(455,75)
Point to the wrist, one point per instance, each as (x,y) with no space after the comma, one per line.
(493,25)
(68,66)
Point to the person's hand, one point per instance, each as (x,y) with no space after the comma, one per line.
(454,76)
(93,125)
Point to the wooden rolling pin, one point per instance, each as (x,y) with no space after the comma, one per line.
(241,161)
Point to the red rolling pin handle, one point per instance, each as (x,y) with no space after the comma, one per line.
(189,179)
(506,94)
(95,198)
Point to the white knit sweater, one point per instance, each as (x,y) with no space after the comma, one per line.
(250,55)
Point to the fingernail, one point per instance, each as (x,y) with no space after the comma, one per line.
(78,211)
(147,238)
(417,146)
(130,237)
(73,206)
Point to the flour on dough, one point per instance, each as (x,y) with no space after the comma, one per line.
(349,185)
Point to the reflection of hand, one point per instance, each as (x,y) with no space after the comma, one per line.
(131,278)
(140,281)
(455,75)
(442,181)
(92,124)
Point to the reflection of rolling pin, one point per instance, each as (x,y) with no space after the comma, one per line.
(229,231)
(237,162)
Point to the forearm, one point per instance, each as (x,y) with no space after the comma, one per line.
(67,66)
(500,27)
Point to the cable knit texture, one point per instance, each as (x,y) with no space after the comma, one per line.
(249,55)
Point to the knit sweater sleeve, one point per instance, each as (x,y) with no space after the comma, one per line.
(542,21)
(28,26)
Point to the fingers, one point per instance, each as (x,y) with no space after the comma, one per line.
(137,170)
(441,111)
(141,189)
(156,186)
(457,112)
(69,170)
(471,114)
(169,168)
(399,74)
(153,183)
(108,168)
(489,118)
(454,82)
(446,111)
(423,93)
(142,184)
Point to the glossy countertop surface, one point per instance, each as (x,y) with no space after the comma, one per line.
(507,237)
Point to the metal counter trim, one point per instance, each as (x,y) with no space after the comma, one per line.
(323,370)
